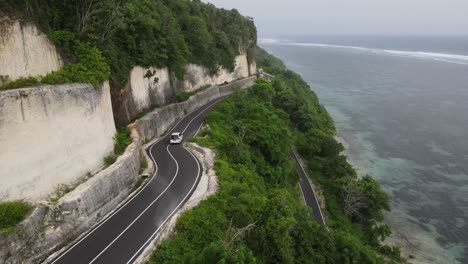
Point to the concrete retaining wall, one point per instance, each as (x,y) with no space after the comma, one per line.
(157,122)
(53,226)
(50,227)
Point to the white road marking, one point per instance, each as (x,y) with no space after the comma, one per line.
(144,211)
(131,199)
(302,192)
(157,198)
(170,215)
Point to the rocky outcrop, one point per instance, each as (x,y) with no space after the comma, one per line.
(53,226)
(52,135)
(25,51)
(150,87)
(197,76)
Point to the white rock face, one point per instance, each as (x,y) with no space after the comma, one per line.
(52,135)
(159,87)
(157,122)
(48,229)
(253,68)
(155,87)
(25,51)
(197,76)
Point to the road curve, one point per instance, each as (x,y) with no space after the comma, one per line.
(308,192)
(122,236)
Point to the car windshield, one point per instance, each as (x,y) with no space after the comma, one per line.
(174,136)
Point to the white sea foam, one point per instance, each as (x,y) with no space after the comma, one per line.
(268,40)
(443,57)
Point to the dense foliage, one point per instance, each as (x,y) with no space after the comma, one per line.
(354,206)
(257,214)
(11,213)
(136,32)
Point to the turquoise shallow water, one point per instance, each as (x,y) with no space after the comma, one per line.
(404,119)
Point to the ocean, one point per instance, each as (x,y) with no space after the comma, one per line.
(400,105)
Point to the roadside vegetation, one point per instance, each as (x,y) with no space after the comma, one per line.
(257,215)
(12,213)
(184,96)
(105,39)
(121,140)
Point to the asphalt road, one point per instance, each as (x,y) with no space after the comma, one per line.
(122,237)
(308,192)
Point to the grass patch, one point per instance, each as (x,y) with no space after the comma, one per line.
(12,213)
(22,82)
(138,184)
(109,160)
(122,140)
(143,164)
(184,96)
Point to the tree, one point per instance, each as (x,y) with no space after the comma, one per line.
(338,167)
(263,90)
(353,199)
(87,12)
(377,200)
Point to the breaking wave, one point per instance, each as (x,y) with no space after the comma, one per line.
(444,57)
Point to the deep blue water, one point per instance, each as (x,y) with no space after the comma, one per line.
(401,106)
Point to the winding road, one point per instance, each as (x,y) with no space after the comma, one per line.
(308,192)
(123,235)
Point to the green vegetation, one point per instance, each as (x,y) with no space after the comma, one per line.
(109,160)
(257,214)
(12,213)
(22,82)
(184,96)
(122,140)
(269,63)
(90,66)
(95,36)
(143,164)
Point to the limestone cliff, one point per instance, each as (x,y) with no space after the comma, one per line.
(52,135)
(148,87)
(25,51)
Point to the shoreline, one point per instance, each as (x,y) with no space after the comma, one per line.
(406,235)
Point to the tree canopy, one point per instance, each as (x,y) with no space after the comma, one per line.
(257,215)
(127,33)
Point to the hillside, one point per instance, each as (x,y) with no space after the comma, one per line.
(119,74)
(257,216)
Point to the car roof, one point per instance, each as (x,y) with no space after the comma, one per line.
(175,133)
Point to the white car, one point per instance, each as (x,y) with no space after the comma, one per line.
(176,138)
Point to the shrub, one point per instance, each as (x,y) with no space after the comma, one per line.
(143,164)
(109,160)
(20,83)
(12,213)
(182,96)
(122,140)
(90,66)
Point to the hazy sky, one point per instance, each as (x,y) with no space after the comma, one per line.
(276,17)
